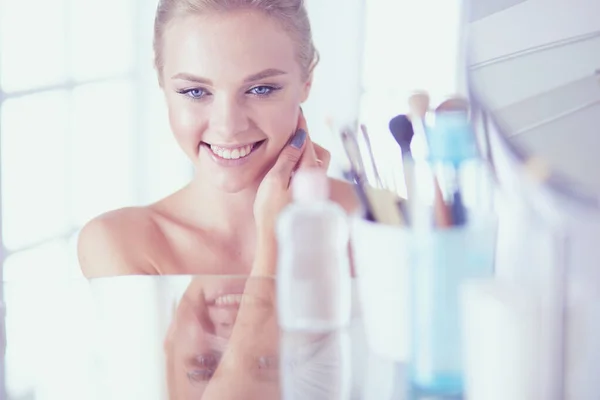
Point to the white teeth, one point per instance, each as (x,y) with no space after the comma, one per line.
(233,299)
(232,154)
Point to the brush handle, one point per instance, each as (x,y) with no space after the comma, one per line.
(384,205)
(378,180)
(353,152)
(443,215)
(459,212)
(409,176)
(359,189)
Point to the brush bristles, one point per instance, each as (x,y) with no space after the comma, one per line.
(418,105)
(455,103)
(402,131)
(353,152)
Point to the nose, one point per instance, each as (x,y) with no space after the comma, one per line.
(228,117)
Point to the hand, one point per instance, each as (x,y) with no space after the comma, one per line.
(227,352)
(249,365)
(274,192)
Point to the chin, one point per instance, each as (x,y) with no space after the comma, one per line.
(232,178)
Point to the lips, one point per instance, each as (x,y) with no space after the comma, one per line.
(232,294)
(222,289)
(233,152)
(235,300)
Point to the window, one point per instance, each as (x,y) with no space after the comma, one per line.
(34,184)
(81,121)
(65,100)
(82,131)
(409,45)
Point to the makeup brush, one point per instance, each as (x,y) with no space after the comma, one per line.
(418,104)
(455,104)
(351,170)
(380,205)
(367,140)
(386,208)
(443,214)
(353,154)
(402,131)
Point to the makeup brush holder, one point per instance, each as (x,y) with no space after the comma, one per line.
(409,282)
(381,259)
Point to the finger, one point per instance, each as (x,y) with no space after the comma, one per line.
(309,158)
(289,157)
(323,156)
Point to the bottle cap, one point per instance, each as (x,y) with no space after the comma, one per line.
(310,184)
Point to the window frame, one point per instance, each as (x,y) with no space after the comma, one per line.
(69,84)
(3,391)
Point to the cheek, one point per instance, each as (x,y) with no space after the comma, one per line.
(282,123)
(186,123)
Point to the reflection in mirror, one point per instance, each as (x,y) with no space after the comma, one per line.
(224,343)
(177,338)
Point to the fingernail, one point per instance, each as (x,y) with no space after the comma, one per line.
(298,139)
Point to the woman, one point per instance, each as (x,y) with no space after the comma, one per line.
(234,74)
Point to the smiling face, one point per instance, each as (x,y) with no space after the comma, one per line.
(233,86)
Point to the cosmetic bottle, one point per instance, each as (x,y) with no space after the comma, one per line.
(313,271)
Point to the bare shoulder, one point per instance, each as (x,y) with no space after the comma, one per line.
(343,193)
(117,243)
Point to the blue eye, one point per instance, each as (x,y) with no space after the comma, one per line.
(263,91)
(195,93)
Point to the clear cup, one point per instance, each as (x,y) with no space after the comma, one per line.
(440,262)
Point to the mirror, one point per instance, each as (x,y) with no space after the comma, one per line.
(534,66)
(534,73)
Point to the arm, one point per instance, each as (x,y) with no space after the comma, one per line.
(105,248)
(344,194)
(265,261)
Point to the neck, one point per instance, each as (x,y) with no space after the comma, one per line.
(226,213)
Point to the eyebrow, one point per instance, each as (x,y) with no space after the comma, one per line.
(267,73)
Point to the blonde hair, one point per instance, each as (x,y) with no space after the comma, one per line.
(291,14)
